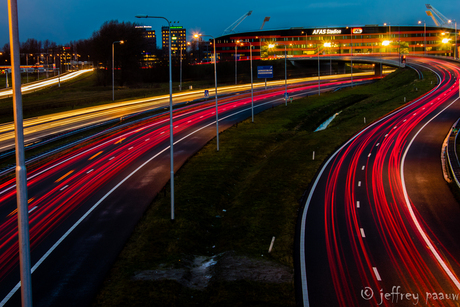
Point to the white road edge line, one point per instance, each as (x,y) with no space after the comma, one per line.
(55,245)
(428,242)
(376,272)
(303,275)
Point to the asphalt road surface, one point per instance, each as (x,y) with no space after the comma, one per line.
(380,225)
(84,205)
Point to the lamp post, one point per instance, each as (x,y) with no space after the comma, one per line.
(180,76)
(21,172)
(351,58)
(319,72)
(285,75)
(424,36)
(215,84)
(455,48)
(113,67)
(171,143)
(328,45)
(252,86)
(236,65)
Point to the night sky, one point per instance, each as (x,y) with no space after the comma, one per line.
(65,21)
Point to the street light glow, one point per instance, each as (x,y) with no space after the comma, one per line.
(445,40)
(386,43)
(327,45)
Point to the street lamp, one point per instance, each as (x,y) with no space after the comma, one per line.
(285,75)
(215,84)
(424,35)
(236,78)
(113,67)
(271,46)
(455,48)
(171,143)
(329,45)
(21,171)
(351,58)
(319,72)
(252,87)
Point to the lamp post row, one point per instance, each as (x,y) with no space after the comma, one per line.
(171,137)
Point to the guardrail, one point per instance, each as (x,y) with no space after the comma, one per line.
(451,151)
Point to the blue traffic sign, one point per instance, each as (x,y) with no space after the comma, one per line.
(206,93)
(264,71)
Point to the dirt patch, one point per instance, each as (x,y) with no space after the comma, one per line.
(198,272)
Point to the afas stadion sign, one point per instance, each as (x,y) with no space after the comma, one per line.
(335,31)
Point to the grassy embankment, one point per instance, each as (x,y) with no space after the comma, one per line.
(238,198)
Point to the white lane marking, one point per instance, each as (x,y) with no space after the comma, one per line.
(130,148)
(33,209)
(425,237)
(90,171)
(377,273)
(111,158)
(404,120)
(358,204)
(359,183)
(369,155)
(362,168)
(147,139)
(63,188)
(386,135)
(362,233)
(377,144)
(303,265)
(162,132)
(43,258)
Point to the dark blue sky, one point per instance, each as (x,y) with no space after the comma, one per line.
(64,21)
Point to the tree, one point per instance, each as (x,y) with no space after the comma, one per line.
(127,55)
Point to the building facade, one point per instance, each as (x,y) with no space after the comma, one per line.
(178,42)
(366,40)
(149,57)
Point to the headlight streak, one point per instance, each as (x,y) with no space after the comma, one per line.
(67,190)
(386,199)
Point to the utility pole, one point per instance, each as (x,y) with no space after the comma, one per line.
(21,174)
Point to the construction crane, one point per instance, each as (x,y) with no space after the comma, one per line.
(232,27)
(443,21)
(265,20)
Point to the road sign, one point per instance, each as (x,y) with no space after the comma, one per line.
(206,93)
(286,95)
(264,71)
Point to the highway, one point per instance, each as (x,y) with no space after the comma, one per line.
(84,204)
(38,85)
(42,127)
(380,225)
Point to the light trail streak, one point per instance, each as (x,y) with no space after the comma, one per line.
(92,167)
(414,253)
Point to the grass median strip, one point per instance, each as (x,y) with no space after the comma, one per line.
(231,203)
